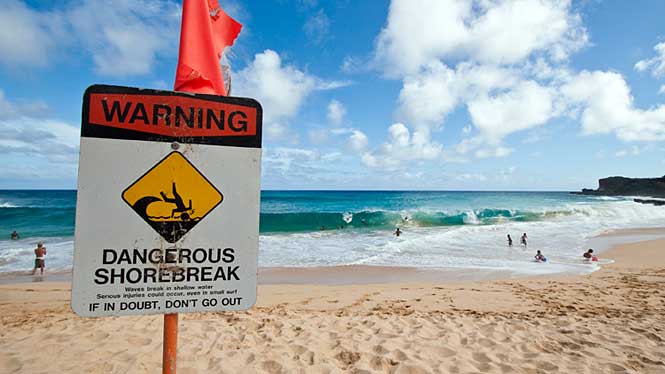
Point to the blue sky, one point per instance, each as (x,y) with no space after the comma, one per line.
(402,94)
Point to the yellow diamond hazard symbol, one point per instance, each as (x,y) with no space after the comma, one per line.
(172,197)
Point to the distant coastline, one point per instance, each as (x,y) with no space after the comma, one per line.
(623,186)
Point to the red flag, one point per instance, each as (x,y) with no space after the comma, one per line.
(204,33)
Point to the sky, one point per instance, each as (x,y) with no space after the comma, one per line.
(396,95)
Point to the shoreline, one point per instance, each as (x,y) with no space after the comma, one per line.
(375,274)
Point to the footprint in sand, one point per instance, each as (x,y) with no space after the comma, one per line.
(271,366)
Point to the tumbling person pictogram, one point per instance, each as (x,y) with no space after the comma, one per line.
(169,215)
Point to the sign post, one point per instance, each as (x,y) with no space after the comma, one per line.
(167,208)
(170,348)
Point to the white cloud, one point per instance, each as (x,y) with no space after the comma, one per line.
(123,37)
(419,31)
(606,106)
(509,76)
(655,64)
(288,160)
(276,130)
(358,141)
(661,90)
(402,146)
(336,112)
(493,151)
(33,138)
(526,106)
(26,36)
(24,131)
(281,89)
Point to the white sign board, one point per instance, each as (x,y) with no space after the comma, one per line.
(167,212)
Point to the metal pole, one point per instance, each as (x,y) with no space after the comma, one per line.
(170,343)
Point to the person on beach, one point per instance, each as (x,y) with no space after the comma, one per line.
(40,252)
(589,256)
(15,235)
(398,232)
(539,257)
(510,241)
(523,239)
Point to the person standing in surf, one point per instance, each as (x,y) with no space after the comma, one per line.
(398,232)
(40,252)
(510,241)
(523,239)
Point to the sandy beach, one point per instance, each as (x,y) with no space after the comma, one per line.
(611,321)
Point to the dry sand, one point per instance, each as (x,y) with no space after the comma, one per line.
(612,321)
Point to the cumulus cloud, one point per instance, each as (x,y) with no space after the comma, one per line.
(508,76)
(655,64)
(419,31)
(110,32)
(428,96)
(525,106)
(280,88)
(357,140)
(402,145)
(605,105)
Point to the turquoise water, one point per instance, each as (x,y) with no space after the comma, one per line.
(315,228)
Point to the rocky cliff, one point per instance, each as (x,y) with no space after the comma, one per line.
(614,186)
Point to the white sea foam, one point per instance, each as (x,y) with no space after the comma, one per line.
(561,237)
(19,254)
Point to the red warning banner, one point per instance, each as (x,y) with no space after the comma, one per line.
(172,115)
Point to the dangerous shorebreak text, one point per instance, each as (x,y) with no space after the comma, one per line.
(171,265)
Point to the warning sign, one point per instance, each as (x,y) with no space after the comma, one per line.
(155,197)
(167,210)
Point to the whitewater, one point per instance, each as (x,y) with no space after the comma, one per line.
(456,229)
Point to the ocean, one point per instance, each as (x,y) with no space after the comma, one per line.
(451,229)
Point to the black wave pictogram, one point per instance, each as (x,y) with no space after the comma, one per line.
(173,227)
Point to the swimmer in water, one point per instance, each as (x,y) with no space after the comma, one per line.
(539,257)
(398,232)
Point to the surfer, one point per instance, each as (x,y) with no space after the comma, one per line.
(398,232)
(180,205)
(539,257)
(15,235)
(510,241)
(40,252)
(523,239)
